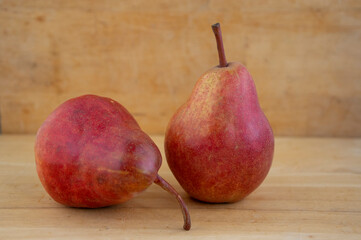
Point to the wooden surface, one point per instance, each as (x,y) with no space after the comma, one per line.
(304,55)
(313,191)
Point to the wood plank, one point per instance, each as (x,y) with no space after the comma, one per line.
(313,191)
(215,221)
(304,57)
(104,232)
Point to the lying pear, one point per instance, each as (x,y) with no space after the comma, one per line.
(219,144)
(90,152)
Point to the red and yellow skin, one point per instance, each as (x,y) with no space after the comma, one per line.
(90,152)
(219,144)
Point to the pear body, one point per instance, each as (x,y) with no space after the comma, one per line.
(219,144)
(90,152)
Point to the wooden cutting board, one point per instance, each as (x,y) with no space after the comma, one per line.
(312,192)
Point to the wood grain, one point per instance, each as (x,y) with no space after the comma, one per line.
(304,56)
(313,191)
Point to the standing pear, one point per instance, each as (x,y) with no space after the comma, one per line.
(219,144)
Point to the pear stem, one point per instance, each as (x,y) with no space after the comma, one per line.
(218,34)
(166,186)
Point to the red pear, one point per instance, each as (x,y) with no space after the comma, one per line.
(219,144)
(90,152)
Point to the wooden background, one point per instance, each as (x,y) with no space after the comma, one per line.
(305,57)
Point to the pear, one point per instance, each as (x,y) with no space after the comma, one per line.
(90,153)
(219,145)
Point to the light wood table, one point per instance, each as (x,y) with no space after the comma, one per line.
(312,192)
